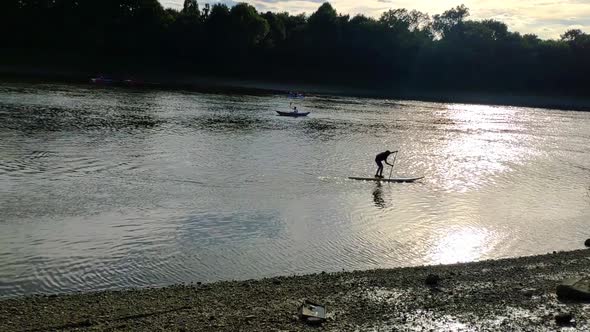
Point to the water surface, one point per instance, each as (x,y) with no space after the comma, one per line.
(104,188)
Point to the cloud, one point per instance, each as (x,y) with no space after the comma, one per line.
(292,6)
(546,18)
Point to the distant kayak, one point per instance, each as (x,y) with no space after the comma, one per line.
(102,80)
(293,114)
(388,180)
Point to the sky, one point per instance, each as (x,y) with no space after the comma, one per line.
(545,18)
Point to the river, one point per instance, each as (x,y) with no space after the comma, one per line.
(108,188)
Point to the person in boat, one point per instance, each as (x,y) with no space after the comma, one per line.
(379,159)
(295,109)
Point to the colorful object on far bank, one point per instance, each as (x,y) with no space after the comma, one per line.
(297,95)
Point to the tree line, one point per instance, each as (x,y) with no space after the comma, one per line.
(402,49)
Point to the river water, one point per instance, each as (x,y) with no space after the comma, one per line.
(106,188)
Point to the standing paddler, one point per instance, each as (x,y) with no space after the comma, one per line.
(379,159)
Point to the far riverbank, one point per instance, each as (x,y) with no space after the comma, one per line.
(168,81)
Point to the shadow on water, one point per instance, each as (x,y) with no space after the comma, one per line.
(378,196)
(35,118)
(330,128)
(231,122)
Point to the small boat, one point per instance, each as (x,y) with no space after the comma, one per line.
(293,114)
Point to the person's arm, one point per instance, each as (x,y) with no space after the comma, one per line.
(386,159)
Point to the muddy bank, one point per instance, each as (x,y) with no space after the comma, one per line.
(510,294)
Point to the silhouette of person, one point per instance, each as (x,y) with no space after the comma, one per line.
(379,159)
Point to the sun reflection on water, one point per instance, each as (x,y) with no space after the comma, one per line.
(480,142)
(461,244)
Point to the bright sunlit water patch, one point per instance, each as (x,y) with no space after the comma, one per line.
(104,188)
(461,244)
(481,142)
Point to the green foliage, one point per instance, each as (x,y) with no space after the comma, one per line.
(325,16)
(403,49)
(324,27)
(402,19)
(444,24)
(191,8)
(249,28)
(277,31)
(572,35)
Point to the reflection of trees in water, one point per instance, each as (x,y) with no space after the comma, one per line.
(51,118)
(334,129)
(232,123)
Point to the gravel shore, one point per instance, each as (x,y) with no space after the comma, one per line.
(510,294)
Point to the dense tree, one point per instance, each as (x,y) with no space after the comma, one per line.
(191,8)
(218,34)
(401,49)
(445,23)
(248,27)
(402,19)
(277,31)
(324,28)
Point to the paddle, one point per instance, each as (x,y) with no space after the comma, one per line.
(394,156)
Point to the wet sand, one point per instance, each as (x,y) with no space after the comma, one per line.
(510,294)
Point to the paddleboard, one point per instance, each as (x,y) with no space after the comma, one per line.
(387,180)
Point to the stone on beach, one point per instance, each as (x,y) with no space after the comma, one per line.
(432,280)
(577,289)
(563,319)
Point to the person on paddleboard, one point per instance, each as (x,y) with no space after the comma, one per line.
(379,159)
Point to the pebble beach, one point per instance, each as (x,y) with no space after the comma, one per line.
(516,294)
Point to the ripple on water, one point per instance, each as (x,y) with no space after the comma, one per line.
(109,188)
